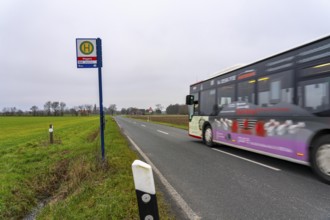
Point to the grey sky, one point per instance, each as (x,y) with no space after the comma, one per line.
(152,49)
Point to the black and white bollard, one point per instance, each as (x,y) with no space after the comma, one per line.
(145,190)
(51,130)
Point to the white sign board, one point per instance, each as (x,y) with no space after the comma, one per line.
(86,53)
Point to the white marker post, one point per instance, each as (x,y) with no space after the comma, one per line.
(145,190)
(51,130)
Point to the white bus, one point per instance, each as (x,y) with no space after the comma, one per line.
(278,106)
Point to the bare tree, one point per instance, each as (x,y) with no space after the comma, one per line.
(89,108)
(177,109)
(74,111)
(123,111)
(34,110)
(62,107)
(13,110)
(132,111)
(55,106)
(183,110)
(159,108)
(6,111)
(19,112)
(47,107)
(112,109)
(10,111)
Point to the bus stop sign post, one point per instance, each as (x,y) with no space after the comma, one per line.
(99,65)
(88,57)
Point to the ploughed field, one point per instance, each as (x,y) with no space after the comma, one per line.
(180,121)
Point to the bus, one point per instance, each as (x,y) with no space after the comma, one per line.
(278,106)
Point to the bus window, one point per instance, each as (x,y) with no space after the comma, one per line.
(316,70)
(275,88)
(226,95)
(207,103)
(195,96)
(246,91)
(195,106)
(275,91)
(314,96)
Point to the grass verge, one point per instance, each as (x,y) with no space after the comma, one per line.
(70,174)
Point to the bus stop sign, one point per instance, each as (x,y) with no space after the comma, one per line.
(89,55)
(86,53)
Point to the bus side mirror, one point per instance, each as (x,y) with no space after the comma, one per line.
(190,100)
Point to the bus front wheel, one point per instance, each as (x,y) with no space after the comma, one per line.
(208,136)
(320,159)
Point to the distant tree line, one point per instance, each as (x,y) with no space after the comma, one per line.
(11,111)
(57,108)
(177,109)
(52,108)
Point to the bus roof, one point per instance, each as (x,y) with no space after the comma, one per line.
(237,67)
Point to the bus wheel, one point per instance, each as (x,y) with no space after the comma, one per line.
(321,158)
(208,136)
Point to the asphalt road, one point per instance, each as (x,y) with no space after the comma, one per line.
(228,183)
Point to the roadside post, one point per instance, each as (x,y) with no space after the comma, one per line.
(145,190)
(89,55)
(51,137)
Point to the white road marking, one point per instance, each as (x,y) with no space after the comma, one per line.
(118,124)
(162,132)
(252,161)
(190,214)
(143,125)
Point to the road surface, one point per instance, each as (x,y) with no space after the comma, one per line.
(228,183)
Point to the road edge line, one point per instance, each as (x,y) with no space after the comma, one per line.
(190,214)
(248,160)
(163,132)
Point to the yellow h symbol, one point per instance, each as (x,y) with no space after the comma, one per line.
(86,47)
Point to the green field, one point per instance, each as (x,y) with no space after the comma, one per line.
(69,174)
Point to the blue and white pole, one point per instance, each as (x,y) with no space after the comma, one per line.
(145,190)
(99,65)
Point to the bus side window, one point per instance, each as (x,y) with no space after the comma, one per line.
(314,95)
(196,109)
(226,95)
(207,102)
(275,88)
(246,91)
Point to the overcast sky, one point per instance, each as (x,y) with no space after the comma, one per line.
(152,49)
